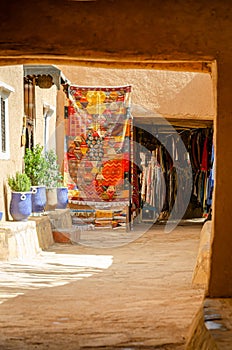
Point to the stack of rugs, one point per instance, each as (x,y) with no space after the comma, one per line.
(110,219)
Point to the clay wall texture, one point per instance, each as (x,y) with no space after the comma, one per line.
(60,126)
(12,76)
(45,97)
(169,93)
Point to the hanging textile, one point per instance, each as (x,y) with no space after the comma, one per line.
(98,144)
(153,189)
(199,151)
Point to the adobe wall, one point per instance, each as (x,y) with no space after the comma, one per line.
(45,97)
(140,31)
(13,76)
(168,93)
(60,126)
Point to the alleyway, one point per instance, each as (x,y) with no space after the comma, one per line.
(137,296)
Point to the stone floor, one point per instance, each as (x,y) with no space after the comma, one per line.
(218,321)
(131,296)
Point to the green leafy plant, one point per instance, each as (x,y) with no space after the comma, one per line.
(36,166)
(52,176)
(19,182)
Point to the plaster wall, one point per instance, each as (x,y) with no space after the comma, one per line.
(13,76)
(117,33)
(45,97)
(60,126)
(169,93)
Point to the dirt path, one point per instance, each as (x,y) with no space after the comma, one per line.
(138,296)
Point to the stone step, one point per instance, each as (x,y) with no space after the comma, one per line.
(23,240)
(18,240)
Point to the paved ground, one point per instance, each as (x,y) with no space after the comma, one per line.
(218,321)
(137,296)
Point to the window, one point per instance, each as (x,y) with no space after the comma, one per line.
(3,125)
(5,91)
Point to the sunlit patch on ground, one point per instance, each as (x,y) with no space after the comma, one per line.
(48,269)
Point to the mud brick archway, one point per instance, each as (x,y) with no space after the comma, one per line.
(168,35)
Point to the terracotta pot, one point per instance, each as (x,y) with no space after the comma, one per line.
(60,237)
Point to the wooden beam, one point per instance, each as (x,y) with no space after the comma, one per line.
(184,66)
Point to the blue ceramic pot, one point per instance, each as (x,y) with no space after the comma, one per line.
(20,205)
(39,199)
(62,197)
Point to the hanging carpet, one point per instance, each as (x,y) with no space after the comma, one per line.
(97,144)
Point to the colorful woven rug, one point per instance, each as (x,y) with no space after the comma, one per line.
(97,143)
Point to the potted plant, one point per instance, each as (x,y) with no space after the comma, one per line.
(57,194)
(36,166)
(20,204)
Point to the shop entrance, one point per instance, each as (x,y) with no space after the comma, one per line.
(156,179)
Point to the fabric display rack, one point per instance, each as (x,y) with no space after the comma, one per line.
(157,180)
(97,156)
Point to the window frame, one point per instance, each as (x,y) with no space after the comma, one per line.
(5,91)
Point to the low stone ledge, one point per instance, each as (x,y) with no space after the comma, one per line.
(47,223)
(18,240)
(60,218)
(26,239)
(62,227)
(44,231)
(201,270)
